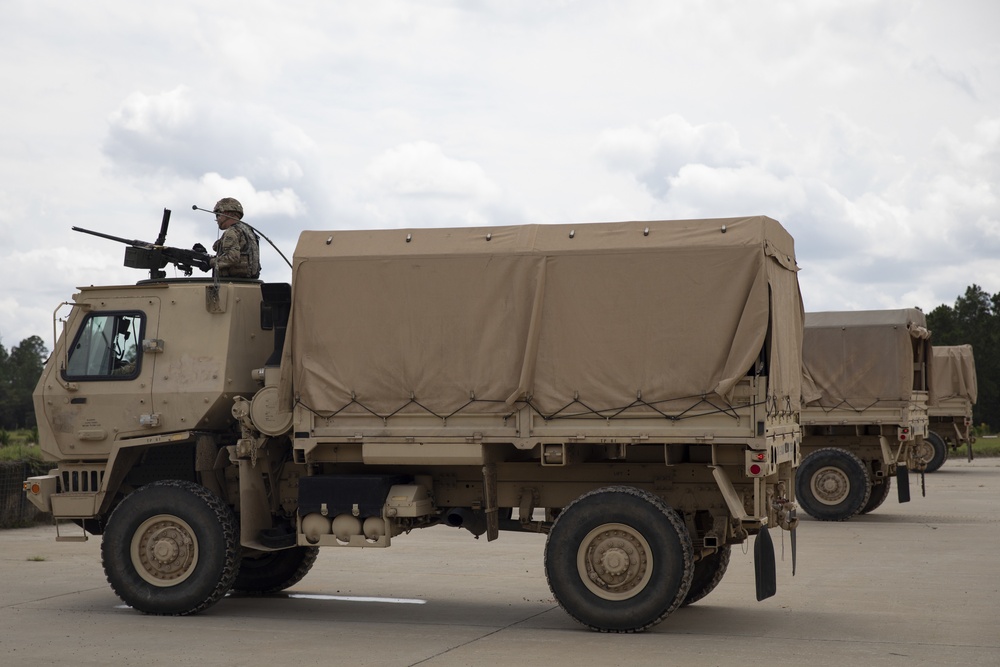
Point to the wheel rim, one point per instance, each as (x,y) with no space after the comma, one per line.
(614,561)
(164,550)
(830,485)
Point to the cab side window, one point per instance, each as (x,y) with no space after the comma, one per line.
(107,347)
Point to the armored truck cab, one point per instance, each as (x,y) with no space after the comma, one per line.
(631,390)
(141,379)
(864,408)
(953,392)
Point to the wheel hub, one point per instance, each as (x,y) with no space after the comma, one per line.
(164,550)
(615,561)
(830,486)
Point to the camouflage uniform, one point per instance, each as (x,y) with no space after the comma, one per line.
(237,253)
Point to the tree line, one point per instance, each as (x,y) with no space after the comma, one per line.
(974,320)
(19,372)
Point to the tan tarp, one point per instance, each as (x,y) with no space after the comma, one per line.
(953,373)
(594,315)
(863,357)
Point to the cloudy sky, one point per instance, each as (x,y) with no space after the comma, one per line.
(870,129)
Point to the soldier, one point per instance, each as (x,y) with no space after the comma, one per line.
(237,251)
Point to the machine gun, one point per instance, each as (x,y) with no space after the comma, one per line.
(155,256)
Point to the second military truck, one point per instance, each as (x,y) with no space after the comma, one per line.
(864,408)
(631,390)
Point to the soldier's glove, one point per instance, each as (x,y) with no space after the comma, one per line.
(197,247)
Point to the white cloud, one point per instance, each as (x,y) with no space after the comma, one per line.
(869,128)
(179,133)
(422,169)
(283,202)
(657,151)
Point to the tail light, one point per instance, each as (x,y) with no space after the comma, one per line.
(754,461)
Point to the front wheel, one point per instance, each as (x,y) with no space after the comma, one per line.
(266,572)
(832,484)
(171,548)
(619,559)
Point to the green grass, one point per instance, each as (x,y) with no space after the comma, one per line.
(21,453)
(21,445)
(23,437)
(984,446)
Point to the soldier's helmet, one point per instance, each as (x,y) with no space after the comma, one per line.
(229,205)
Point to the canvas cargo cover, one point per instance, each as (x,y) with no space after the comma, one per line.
(863,357)
(593,314)
(953,374)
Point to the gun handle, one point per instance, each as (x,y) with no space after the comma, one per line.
(162,237)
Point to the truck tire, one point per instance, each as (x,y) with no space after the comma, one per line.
(619,559)
(171,548)
(266,572)
(708,572)
(877,496)
(832,484)
(933,451)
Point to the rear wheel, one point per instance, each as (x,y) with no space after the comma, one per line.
(878,495)
(265,572)
(708,573)
(171,548)
(619,559)
(832,484)
(932,451)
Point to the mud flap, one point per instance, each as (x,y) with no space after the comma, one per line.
(903,483)
(764,566)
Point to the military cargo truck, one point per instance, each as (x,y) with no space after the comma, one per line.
(953,392)
(864,408)
(630,390)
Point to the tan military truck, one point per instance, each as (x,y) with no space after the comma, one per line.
(864,408)
(953,392)
(629,389)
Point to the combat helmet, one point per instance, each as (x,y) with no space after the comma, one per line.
(229,205)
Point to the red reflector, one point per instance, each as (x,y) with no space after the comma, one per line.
(902,437)
(754,469)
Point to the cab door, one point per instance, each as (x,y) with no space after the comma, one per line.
(104,389)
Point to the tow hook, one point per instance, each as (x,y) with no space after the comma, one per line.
(787,513)
(788,518)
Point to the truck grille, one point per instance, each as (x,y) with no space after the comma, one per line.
(80,480)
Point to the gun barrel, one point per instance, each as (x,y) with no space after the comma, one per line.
(137,244)
(155,256)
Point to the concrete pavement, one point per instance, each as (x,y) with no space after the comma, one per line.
(912,584)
